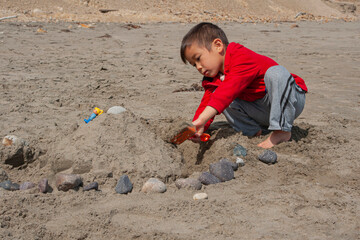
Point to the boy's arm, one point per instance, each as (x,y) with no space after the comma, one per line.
(204,102)
(208,114)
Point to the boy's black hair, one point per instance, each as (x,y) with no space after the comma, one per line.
(203,34)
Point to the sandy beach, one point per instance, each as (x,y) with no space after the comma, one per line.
(53,73)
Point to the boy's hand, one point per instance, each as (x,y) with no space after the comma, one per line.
(203,118)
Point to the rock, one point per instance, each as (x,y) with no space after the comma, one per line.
(44,186)
(64,182)
(93,185)
(10,140)
(124,185)
(240,162)
(240,151)
(116,110)
(3,175)
(200,196)
(268,157)
(234,166)
(15,151)
(189,183)
(10,186)
(26,185)
(222,171)
(207,178)
(154,185)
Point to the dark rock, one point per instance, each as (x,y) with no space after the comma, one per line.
(10,186)
(93,185)
(207,178)
(124,185)
(64,182)
(268,157)
(222,171)
(44,186)
(27,185)
(240,151)
(234,166)
(189,183)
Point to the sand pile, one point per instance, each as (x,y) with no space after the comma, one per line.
(113,145)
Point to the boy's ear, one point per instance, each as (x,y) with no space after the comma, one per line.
(218,45)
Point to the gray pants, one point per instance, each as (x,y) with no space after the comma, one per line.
(277,110)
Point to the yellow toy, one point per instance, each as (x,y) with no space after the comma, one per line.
(96,112)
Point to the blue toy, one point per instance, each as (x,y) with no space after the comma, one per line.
(96,112)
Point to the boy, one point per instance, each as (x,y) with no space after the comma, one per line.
(251,90)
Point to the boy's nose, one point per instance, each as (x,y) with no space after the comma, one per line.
(198,67)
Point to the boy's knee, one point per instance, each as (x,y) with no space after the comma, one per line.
(276,74)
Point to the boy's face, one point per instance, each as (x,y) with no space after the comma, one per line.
(208,63)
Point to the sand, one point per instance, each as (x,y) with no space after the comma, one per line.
(52,79)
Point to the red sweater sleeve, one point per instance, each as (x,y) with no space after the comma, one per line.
(204,102)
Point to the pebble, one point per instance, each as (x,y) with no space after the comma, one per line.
(207,178)
(116,110)
(64,182)
(10,186)
(268,157)
(26,185)
(154,185)
(10,140)
(124,185)
(3,175)
(240,151)
(222,171)
(240,162)
(189,183)
(44,186)
(200,196)
(234,166)
(91,186)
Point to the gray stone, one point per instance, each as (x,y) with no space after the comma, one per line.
(10,186)
(91,186)
(64,182)
(124,185)
(207,178)
(26,185)
(189,183)
(154,185)
(116,110)
(234,166)
(240,151)
(268,157)
(222,171)
(3,175)
(44,186)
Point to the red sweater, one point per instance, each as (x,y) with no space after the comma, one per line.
(244,78)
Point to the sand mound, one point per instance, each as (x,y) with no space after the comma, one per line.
(115,145)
